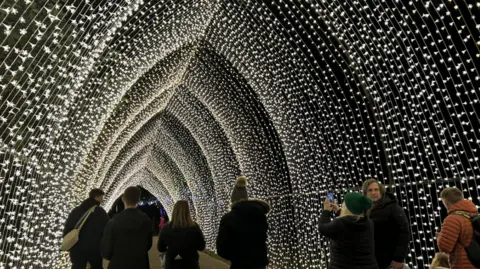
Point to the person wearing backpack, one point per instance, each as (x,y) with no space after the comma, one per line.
(457,235)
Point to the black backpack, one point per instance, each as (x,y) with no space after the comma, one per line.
(473,250)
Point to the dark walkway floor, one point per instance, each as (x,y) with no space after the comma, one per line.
(206,261)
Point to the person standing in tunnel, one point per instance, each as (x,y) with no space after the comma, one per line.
(242,235)
(87,249)
(458,233)
(128,235)
(180,239)
(392,230)
(352,242)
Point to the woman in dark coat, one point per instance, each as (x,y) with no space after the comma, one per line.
(242,235)
(352,242)
(181,239)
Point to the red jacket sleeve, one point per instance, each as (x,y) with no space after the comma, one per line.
(448,237)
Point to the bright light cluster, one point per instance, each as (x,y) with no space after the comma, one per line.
(181,96)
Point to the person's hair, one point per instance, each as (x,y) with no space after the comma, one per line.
(452,195)
(345,212)
(131,195)
(441,260)
(181,217)
(95,193)
(370,181)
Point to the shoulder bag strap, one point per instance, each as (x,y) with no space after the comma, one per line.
(465,215)
(84,218)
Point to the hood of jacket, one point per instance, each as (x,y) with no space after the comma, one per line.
(250,206)
(464,205)
(130,219)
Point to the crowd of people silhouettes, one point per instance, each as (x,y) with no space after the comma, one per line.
(369,230)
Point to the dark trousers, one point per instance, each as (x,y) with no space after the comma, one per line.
(80,259)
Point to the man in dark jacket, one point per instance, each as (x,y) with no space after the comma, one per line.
(392,229)
(87,249)
(128,235)
(242,235)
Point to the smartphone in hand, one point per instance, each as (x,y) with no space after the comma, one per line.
(331,196)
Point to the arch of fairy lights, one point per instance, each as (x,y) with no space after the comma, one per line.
(181,96)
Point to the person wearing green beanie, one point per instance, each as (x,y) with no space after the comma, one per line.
(351,234)
(357,203)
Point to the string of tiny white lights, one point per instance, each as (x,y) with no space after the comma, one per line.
(145,178)
(213,144)
(311,96)
(166,170)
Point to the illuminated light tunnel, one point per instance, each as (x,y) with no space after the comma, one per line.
(182,96)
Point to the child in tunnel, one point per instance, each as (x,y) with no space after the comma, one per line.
(180,239)
(352,236)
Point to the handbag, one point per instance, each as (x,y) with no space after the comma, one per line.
(162,258)
(70,239)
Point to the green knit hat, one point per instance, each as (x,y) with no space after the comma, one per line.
(357,203)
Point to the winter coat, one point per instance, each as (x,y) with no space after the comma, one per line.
(181,243)
(92,231)
(352,242)
(242,234)
(127,240)
(457,231)
(392,231)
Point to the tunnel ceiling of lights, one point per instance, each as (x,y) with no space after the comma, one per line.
(181,96)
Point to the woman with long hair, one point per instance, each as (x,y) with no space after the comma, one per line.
(352,241)
(180,239)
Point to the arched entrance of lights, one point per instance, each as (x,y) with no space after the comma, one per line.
(150,161)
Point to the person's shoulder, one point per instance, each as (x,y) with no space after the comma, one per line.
(454,218)
(228,215)
(76,210)
(226,218)
(144,216)
(100,210)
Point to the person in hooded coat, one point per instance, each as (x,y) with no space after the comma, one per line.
(128,235)
(352,242)
(180,239)
(242,234)
(87,249)
(392,229)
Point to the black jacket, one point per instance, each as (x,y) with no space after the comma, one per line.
(352,241)
(242,235)
(182,242)
(92,231)
(392,231)
(127,240)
